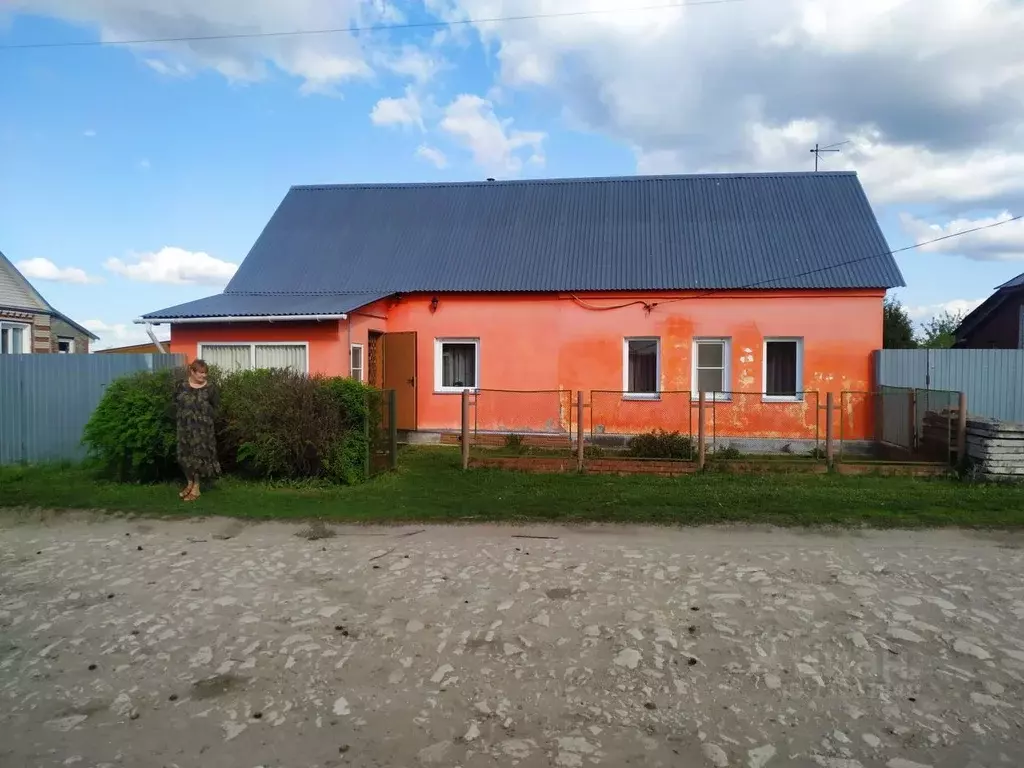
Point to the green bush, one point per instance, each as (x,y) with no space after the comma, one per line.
(659,444)
(728,452)
(131,434)
(272,424)
(514,442)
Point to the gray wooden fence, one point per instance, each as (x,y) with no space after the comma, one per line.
(993,379)
(46,400)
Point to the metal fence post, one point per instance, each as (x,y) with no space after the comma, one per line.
(701,431)
(465,429)
(393,427)
(912,413)
(961,430)
(366,433)
(579,431)
(830,409)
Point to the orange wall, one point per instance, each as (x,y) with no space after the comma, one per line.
(328,347)
(549,342)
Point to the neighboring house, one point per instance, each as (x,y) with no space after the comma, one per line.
(998,323)
(149,348)
(29,325)
(752,283)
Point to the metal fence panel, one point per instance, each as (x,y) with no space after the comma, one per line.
(539,418)
(46,400)
(751,422)
(993,379)
(616,413)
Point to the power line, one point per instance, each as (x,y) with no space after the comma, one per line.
(357,29)
(882,254)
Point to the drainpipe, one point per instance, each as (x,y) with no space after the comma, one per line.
(153,338)
(350,348)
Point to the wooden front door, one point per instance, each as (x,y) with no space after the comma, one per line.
(400,375)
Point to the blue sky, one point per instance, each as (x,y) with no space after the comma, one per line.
(133,178)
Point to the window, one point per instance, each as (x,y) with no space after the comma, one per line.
(456,364)
(356,362)
(65,346)
(15,339)
(783,360)
(711,368)
(243,357)
(641,366)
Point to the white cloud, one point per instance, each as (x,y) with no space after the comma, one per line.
(495,145)
(405,110)
(1000,243)
(144,164)
(116,334)
(44,269)
(168,68)
(414,63)
(432,155)
(321,61)
(926,87)
(925,312)
(174,265)
(89,133)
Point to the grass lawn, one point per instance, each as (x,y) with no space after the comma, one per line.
(429,486)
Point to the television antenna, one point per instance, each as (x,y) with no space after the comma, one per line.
(817,151)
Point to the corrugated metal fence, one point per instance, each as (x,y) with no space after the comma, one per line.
(993,379)
(46,400)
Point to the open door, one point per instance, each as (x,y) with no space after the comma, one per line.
(400,375)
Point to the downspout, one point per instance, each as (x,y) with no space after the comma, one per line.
(349,353)
(153,338)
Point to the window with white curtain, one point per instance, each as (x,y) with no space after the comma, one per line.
(15,338)
(244,357)
(456,364)
(711,368)
(641,365)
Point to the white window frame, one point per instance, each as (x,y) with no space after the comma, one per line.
(201,346)
(726,343)
(26,335)
(765,397)
(362,362)
(626,394)
(439,343)
(71,344)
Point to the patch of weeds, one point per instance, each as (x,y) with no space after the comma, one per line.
(593,452)
(316,530)
(729,452)
(659,444)
(514,441)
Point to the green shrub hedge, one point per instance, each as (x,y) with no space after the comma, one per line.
(272,424)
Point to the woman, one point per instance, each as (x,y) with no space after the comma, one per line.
(197,401)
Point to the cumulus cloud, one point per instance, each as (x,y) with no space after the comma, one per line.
(495,145)
(44,269)
(173,265)
(923,312)
(404,111)
(321,61)
(116,334)
(432,155)
(929,88)
(1004,242)
(415,63)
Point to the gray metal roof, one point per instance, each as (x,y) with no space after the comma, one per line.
(1016,282)
(267,305)
(703,232)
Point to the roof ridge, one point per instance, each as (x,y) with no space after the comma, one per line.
(575,180)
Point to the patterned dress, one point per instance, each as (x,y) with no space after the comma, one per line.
(197,434)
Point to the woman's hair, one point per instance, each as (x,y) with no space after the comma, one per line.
(198,366)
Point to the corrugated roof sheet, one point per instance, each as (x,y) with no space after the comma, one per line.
(703,232)
(1016,282)
(278,304)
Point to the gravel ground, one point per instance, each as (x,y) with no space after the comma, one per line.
(212,643)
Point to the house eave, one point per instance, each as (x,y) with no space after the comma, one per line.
(239,319)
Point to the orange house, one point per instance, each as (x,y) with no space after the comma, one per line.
(763,290)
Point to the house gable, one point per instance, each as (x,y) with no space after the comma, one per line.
(15,290)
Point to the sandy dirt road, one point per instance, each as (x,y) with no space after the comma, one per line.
(209,643)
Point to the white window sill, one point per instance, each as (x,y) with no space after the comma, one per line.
(781,399)
(715,399)
(456,390)
(641,396)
